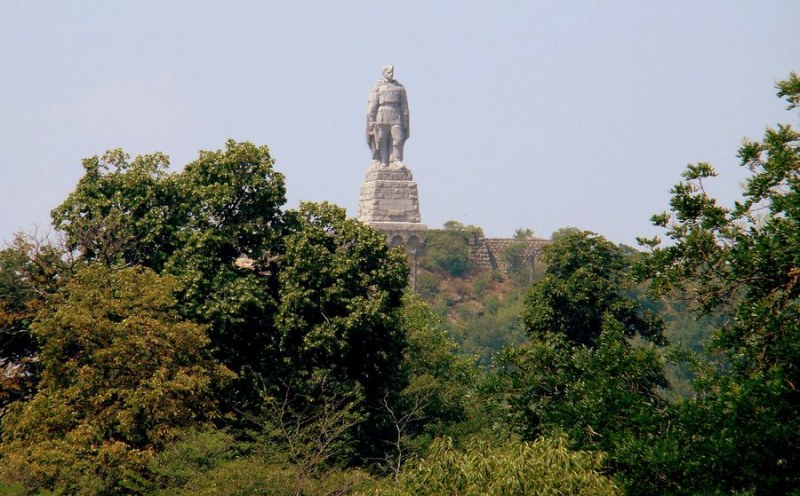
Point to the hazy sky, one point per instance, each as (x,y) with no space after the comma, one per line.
(523,114)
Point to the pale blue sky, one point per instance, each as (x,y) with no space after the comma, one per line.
(524,114)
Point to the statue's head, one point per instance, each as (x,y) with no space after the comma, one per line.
(388,71)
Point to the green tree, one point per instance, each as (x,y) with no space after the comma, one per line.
(232,199)
(212,462)
(604,397)
(338,312)
(563,231)
(581,373)
(514,258)
(122,211)
(121,375)
(583,286)
(31,269)
(740,431)
(523,233)
(194,224)
(447,250)
(438,382)
(290,300)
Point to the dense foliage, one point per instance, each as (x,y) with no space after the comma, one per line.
(539,468)
(582,289)
(121,373)
(740,432)
(447,250)
(31,269)
(290,304)
(185,333)
(580,374)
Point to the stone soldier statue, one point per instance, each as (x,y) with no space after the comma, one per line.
(387,120)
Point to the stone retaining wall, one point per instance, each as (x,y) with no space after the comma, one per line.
(487,253)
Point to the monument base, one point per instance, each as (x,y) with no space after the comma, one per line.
(389,202)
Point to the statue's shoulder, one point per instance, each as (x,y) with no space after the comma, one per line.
(382,83)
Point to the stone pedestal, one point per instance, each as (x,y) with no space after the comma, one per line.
(389,202)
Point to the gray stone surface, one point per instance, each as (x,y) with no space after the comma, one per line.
(387,119)
(389,194)
(487,253)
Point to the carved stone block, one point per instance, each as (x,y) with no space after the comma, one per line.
(389,202)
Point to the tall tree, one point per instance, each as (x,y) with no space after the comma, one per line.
(339,307)
(584,285)
(741,430)
(226,249)
(122,212)
(294,302)
(31,269)
(581,374)
(122,373)
(193,224)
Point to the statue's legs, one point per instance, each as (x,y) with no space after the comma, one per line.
(397,144)
(390,143)
(384,137)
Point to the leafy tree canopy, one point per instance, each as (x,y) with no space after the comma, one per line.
(339,300)
(288,299)
(193,224)
(31,269)
(741,262)
(447,250)
(523,233)
(583,286)
(121,374)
